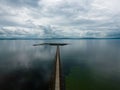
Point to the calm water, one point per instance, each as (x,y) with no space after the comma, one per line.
(86,64)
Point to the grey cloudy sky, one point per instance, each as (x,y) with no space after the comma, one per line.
(60,18)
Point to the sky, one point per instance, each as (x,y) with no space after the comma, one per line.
(59,19)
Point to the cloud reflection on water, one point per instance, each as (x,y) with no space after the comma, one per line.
(28,65)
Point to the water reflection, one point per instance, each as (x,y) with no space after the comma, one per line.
(25,79)
(24,67)
(93,64)
(98,62)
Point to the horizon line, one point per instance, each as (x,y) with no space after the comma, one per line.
(48,38)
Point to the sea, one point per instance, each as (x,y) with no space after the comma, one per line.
(86,64)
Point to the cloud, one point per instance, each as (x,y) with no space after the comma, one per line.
(59,18)
(20,3)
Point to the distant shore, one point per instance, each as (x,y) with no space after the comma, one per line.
(51,38)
